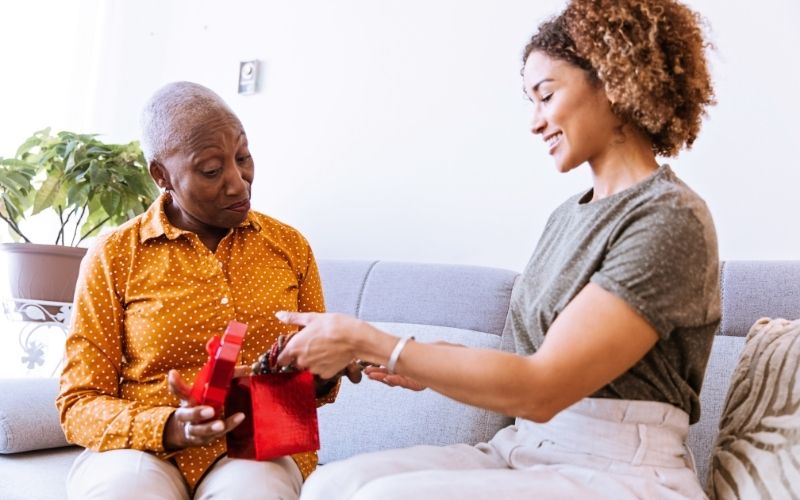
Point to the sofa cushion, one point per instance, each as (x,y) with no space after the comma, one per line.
(372,416)
(28,416)
(755,454)
(724,354)
(36,475)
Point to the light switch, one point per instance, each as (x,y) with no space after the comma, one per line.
(248,77)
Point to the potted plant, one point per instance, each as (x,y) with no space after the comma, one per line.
(86,184)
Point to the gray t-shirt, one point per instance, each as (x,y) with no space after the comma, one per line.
(654,246)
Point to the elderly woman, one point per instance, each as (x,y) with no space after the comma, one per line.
(615,313)
(152,293)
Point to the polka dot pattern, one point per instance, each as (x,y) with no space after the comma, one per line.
(149,297)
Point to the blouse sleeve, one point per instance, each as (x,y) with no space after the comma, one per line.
(310,299)
(91,411)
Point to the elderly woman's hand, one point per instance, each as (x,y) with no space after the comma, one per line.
(326,344)
(192,425)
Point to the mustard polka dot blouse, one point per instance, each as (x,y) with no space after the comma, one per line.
(148,298)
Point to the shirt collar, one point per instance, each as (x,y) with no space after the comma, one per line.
(155,223)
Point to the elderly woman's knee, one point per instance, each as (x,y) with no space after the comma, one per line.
(124,474)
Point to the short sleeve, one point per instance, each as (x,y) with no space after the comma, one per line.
(659,260)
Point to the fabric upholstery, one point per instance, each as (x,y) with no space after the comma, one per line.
(28,417)
(755,289)
(36,475)
(343,284)
(466,297)
(724,354)
(750,290)
(757,449)
(372,416)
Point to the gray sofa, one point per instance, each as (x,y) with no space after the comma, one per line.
(462,304)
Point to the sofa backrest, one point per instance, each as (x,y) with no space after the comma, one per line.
(460,304)
(465,297)
(755,289)
(750,290)
(468,305)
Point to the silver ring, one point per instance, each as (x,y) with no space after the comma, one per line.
(186,429)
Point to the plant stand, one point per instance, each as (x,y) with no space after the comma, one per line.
(40,321)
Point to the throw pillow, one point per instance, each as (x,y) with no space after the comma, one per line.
(28,416)
(757,450)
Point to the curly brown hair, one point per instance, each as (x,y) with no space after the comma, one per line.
(649,56)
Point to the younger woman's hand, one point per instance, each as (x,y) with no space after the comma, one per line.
(193,425)
(381,374)
(325,344)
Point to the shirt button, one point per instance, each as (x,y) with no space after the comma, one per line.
(224,301)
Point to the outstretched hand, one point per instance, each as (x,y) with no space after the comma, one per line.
(325,344)
(192,424)
(381,374)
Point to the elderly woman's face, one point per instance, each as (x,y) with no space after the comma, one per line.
(210,176)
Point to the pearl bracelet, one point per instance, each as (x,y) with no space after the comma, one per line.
(398,348)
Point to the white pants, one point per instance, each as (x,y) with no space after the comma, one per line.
(137,475)
(597,448)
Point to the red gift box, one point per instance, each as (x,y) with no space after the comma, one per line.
(280,415)
(211,385)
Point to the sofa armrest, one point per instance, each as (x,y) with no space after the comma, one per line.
(28,415)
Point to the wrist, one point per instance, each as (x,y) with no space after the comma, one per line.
(169,434)
(373,345)
(360,339)
(394,357)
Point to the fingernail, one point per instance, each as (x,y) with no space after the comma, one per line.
(207,412)
(238,418)
(281,315)
(217,426)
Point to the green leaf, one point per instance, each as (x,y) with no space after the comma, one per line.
(110,201)
(78,194)
(13,181)
(46,194)
(98,175)
(72,171)
(33,141)
(98,150)
(17,164)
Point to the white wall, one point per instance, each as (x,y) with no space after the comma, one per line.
(48,57)
(396,129)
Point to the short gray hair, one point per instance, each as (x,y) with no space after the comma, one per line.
(170,115)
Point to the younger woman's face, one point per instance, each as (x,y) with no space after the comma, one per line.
(572,114)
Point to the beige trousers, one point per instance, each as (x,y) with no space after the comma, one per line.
(598,448)
(137,475)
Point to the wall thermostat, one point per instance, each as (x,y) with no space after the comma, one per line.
(248,77)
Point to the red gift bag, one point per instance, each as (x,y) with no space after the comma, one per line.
(280,415)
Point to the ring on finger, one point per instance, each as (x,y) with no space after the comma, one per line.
(186,431)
